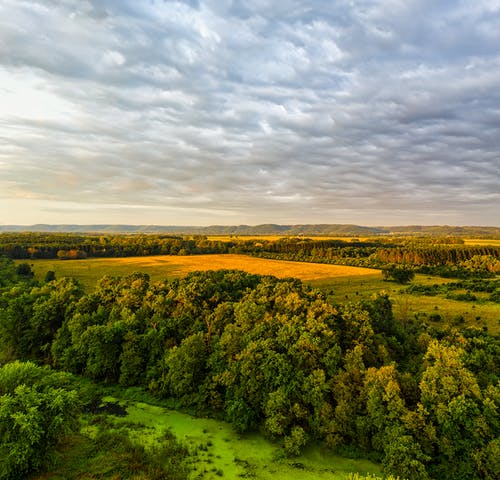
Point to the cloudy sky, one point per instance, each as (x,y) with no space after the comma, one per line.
(203,112)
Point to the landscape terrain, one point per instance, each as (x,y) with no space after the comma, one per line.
(249,356)
(249,240)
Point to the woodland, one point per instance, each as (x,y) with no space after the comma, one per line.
(265,354)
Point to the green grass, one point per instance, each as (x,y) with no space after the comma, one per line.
(89,271)
(407,306)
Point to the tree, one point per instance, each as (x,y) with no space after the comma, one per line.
(451,403)
(24,270)
(7,271)
(50,276)
(37,407)
(398,273)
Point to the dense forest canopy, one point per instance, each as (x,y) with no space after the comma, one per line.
(275,355)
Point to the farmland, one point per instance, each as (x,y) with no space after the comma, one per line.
(164,266)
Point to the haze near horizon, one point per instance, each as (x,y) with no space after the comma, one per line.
(234,112)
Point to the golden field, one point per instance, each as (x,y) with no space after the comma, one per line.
(165,266)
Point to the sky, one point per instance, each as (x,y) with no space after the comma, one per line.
(230,112)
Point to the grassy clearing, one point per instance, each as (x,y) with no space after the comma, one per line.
(463,314)
(161,267)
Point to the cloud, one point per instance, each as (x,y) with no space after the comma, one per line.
(364,112)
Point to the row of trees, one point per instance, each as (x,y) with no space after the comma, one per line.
(375,252)
(70,246)
(276,355)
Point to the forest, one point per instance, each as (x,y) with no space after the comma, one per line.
(265,354)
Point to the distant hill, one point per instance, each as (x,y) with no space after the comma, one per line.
(267,229)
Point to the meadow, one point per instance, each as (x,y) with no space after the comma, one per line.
(341,283)
(163,267)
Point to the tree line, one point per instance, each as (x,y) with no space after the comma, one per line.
(276,355)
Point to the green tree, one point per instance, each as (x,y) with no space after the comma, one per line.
(37,408)
(398,273)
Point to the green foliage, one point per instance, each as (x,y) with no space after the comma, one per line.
(118,456)
(31,316)
(398,273)
(277,355)
(24,270)
(49,276)
(36,409)
(7,271)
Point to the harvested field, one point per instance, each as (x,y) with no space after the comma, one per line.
(278,268)
(165,266)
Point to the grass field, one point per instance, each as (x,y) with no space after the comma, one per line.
(162,267)
(405,306)
(342,283)
(482,242)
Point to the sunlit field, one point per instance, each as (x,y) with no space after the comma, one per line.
(165,266)
(341,283)
(482,241)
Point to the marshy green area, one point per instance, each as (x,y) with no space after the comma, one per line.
(212,449)
(217,451)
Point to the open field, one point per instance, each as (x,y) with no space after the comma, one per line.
(165,266)
(471,314)
(482,242)
(342,283)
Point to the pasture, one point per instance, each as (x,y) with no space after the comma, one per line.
(482,242)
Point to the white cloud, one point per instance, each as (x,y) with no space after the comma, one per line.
(232,111)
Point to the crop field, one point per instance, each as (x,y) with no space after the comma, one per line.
(165,266)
